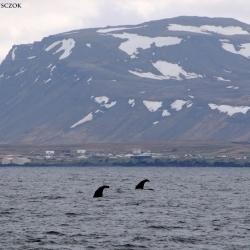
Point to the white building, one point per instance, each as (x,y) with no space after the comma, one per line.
(137,151)
(81,151)
(20,161)
(7,160)
(49,152)
(15,160)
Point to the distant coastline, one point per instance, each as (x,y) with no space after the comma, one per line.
(128,162)
(148,154)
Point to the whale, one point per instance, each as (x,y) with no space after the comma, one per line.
(141,184)
(98,192)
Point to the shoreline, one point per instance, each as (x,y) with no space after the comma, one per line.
(156,162)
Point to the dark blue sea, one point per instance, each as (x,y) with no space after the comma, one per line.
(189,208)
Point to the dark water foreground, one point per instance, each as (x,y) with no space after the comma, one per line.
(190,208)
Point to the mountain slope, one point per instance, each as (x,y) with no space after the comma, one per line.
(182,78)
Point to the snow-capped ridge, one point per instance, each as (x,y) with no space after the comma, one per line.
(107,30)
(208,29)
(134,42)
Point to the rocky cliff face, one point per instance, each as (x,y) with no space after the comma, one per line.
(186,78)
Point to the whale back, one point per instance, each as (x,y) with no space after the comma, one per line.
(99,191)
(141,184)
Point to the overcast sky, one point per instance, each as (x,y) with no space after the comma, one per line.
(39,18)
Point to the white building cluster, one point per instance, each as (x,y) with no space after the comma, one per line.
(18,160)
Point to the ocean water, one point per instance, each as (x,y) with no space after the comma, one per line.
(189,208)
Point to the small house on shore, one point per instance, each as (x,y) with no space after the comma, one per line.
(81,151)
(137,151)
(50,152)
(15,160)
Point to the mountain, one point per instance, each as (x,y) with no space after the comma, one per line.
(184,78)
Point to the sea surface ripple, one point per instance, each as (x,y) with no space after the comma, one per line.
(189,208)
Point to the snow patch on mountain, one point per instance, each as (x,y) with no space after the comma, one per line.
(45,81)
(22,70)
(208,29)
(232,87)
(87,118)
(31,57)
(219,78)
(36,79)
(168,70)
(173,71)
(165,113)
(227,71)
(67,46)
(189,103)
(178,104)
(156,122)
(147,75)
(88,45)
(134,42)
(244,49)
(118,28)
(51,70)
(229,110)
(90,79)
(68,33)
(131,102)
(13,55)
(152,106)
(101,99)
(109,105)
